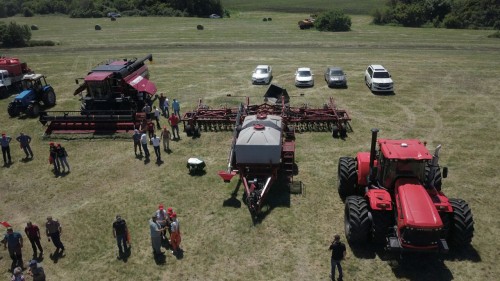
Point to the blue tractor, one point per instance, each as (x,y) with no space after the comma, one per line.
(35,95)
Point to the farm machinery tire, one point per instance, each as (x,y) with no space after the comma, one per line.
(33,110)
(437,180)
(462,223)
(12,110)
(189,130)
(347,177)
(357,222)
(381,223)
(49,98)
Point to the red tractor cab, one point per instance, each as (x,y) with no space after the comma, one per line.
(393,196)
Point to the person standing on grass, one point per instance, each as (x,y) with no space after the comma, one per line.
(157,115)
(120,233)
(161,218)
(338,253)
(161,103)
(144,143)
(176,106)
(5,142)
(36,271)
(156,231)
(13,241)
(156,146)
(147,109)
(175,233)
(24,141)
(53,159)
(137,142)
(33,233)
(166,106)
(151,129)
(17,274)
(62,155)
(53,230)
(174,124)
(165,136)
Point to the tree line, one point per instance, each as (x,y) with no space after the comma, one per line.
(101,8)
(473,14)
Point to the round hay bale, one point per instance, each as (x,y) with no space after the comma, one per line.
(269,19)
(97,27)
(113,19)
(264,19)
(34,27)
(199,27)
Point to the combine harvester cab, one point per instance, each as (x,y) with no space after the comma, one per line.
(393,197)
(112,95)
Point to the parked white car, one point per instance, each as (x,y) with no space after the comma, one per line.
(262,74)
(378,79)
(304,77)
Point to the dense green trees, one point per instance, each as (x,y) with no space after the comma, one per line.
(446,13)
(334,20)
(14,35)
(100,8)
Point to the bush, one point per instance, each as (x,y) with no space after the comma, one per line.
(15,35)
(199,27)
(35,43)
(28,13)
(334,20)
(495,35)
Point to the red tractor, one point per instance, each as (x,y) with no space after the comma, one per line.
(393,196)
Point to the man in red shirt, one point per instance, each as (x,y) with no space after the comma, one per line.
(33,233)
(174,123)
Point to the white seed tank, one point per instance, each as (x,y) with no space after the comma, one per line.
(259,141)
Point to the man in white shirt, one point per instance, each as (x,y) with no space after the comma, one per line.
(144,143)
(156,146)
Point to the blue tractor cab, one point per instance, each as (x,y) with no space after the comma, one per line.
(36,94)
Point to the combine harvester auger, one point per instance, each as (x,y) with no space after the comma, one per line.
(112,94)
(263,145)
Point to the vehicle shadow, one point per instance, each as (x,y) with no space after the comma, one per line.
(383,93)
(233,200)
(278,196)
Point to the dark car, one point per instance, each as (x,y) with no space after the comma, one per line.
(335,77)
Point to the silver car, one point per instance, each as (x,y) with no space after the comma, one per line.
(335,77)
(262,74)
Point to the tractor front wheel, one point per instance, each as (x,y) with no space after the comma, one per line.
(49,98)
(462,224)
(12,110)
(33,110)
(347,177)
(356,219)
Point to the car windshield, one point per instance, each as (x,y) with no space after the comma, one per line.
(381,74)
(336,73)
(261,71)
(304,73)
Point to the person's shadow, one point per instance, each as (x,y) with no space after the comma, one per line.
(160,259)
(58,254)
(125,255)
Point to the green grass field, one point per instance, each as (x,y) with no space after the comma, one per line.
(446,92)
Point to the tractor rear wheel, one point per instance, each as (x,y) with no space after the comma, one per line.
(437,180)
(356,219)
(12,110)
(347,177)
(381,223)
(462,224)
(33,110)
(189,131)
(49,98)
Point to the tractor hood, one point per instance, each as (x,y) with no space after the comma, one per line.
(416,206)
(22,95)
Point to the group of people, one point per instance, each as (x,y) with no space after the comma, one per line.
(141,140)
(24,143)
(13,241)
(165,230)
(59,158)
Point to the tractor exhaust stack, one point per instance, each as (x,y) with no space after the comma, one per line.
(373,173)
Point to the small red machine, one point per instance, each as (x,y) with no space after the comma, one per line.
(393,196)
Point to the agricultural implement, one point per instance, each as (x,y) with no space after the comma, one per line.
(263,145)
(393,197)
(36,94)
(11,74)
(112,95)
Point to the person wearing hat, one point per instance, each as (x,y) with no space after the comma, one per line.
(173,120)
(137,142)
(156,146)
(176,106)
(53,230)
(162,218)
(165,136)
(166,106)
(338,253)
(156,231)
(175,233)
(62,155)
(120,233)
(161,103)
(5,143)
(144,143)
(33,233)
(36,271)
(24,141)
(17,274)
(53,157)
(13,241)
(157,114)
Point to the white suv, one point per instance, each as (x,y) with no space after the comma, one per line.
(304,77)
(378,79)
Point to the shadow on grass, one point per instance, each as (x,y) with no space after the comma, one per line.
(123,256)
(58,254)
(160,259)
(233,200)
(384,93)
(420,266)
(278,196)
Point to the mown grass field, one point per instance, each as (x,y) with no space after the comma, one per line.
(446,85)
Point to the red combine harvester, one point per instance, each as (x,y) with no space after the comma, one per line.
(12,71)
(112,95)
(394,196)
(263,146)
